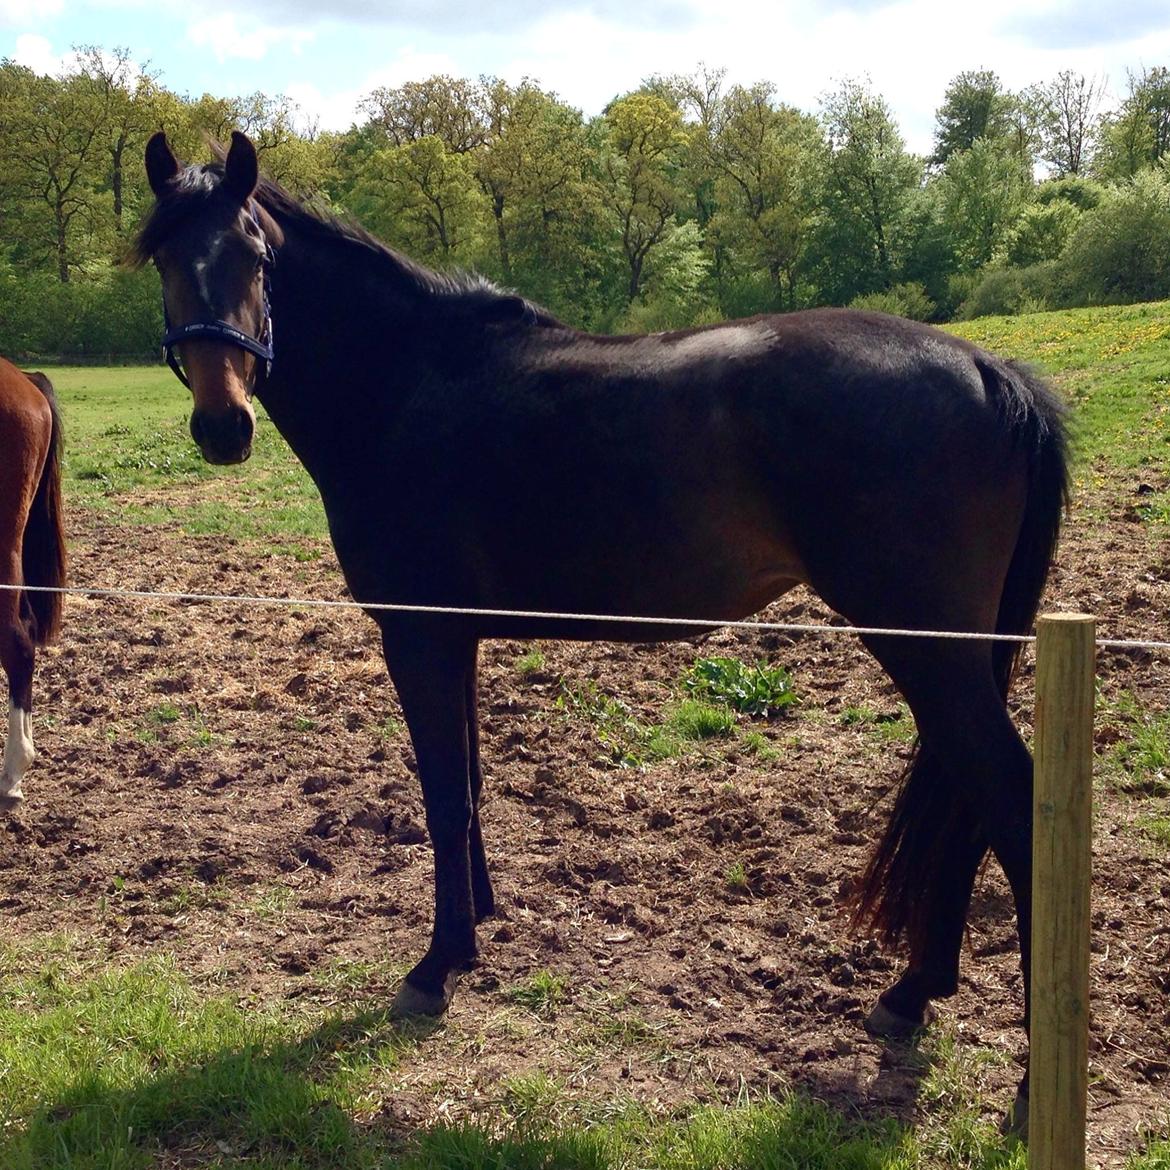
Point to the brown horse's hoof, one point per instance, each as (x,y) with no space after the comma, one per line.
(1015,1122)
(411,1001)
(889,1025)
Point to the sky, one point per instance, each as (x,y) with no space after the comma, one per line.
(327,54)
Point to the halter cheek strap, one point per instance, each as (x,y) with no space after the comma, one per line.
(219,330)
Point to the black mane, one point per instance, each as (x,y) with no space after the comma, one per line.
(195,186)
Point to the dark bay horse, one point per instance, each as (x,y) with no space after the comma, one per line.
(32,552)
(472,451)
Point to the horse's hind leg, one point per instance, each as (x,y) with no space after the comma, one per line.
(969,788)
(17,656)
(933,968)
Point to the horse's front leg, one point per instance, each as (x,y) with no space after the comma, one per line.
(431,675)
(481,882)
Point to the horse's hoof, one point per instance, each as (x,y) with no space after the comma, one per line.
(11,801)
(1015,1122)
(413,1001)
(890,1025)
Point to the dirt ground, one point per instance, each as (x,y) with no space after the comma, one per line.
(234,786)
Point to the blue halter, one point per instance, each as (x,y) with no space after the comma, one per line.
(218,330)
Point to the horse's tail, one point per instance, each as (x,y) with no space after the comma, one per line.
(1038,419)
(44,534)
(929,818)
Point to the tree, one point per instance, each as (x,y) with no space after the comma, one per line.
(447,108)
(130,95)
(870,181)
(984,190)
(424,199)
(52,148)
(1120,250)
(769,162)
(641,144)
(1068,113)
(975,106)
(1138,134)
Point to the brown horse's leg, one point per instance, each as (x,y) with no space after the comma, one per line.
(430,671)
(17,656)
(481,882)
(971,788)
(933,968)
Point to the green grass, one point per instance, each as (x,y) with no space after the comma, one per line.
(106,1069)
(541,994)
(1138,762)
(886,727)
(127,449)
(530,663)
(1157,829)
(125,1068)
(1157,1157)
(1113,365)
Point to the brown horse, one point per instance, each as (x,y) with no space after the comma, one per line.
(473,452)
(32,552)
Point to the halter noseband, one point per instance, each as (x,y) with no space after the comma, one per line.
(219,330)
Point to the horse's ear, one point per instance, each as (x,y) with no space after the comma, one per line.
(241,169)
(161,164)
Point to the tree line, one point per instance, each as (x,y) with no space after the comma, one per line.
(685,201)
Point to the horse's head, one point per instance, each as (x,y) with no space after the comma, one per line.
(212,246)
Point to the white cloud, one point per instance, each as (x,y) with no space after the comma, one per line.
(36,53)
(22,13)
(228,37)
(338,109)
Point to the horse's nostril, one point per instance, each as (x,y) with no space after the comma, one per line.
(247,427)
(197,429)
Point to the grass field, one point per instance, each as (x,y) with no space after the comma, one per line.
(122,1067)
(128,449)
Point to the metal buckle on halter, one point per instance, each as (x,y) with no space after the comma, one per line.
(219,330)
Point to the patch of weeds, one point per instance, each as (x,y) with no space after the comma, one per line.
(751,690)
(542,994)
(1157,829)
(759,745)
(350,975)
(1140,760)
(391,728)
(610,1024)
(959,1133)
(531,663)
(303,723)
(693,720)
(530,1100)
(201,736)
(1156,1156)
(273,902)
(624,736)
(736,878)
(165,713)
(888,726)
(216,895)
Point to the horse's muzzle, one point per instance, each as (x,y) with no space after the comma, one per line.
(224,437)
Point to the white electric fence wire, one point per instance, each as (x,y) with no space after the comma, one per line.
(611,619)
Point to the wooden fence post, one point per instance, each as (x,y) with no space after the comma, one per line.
(1061,875)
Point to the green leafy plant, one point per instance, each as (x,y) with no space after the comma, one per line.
(751,690)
